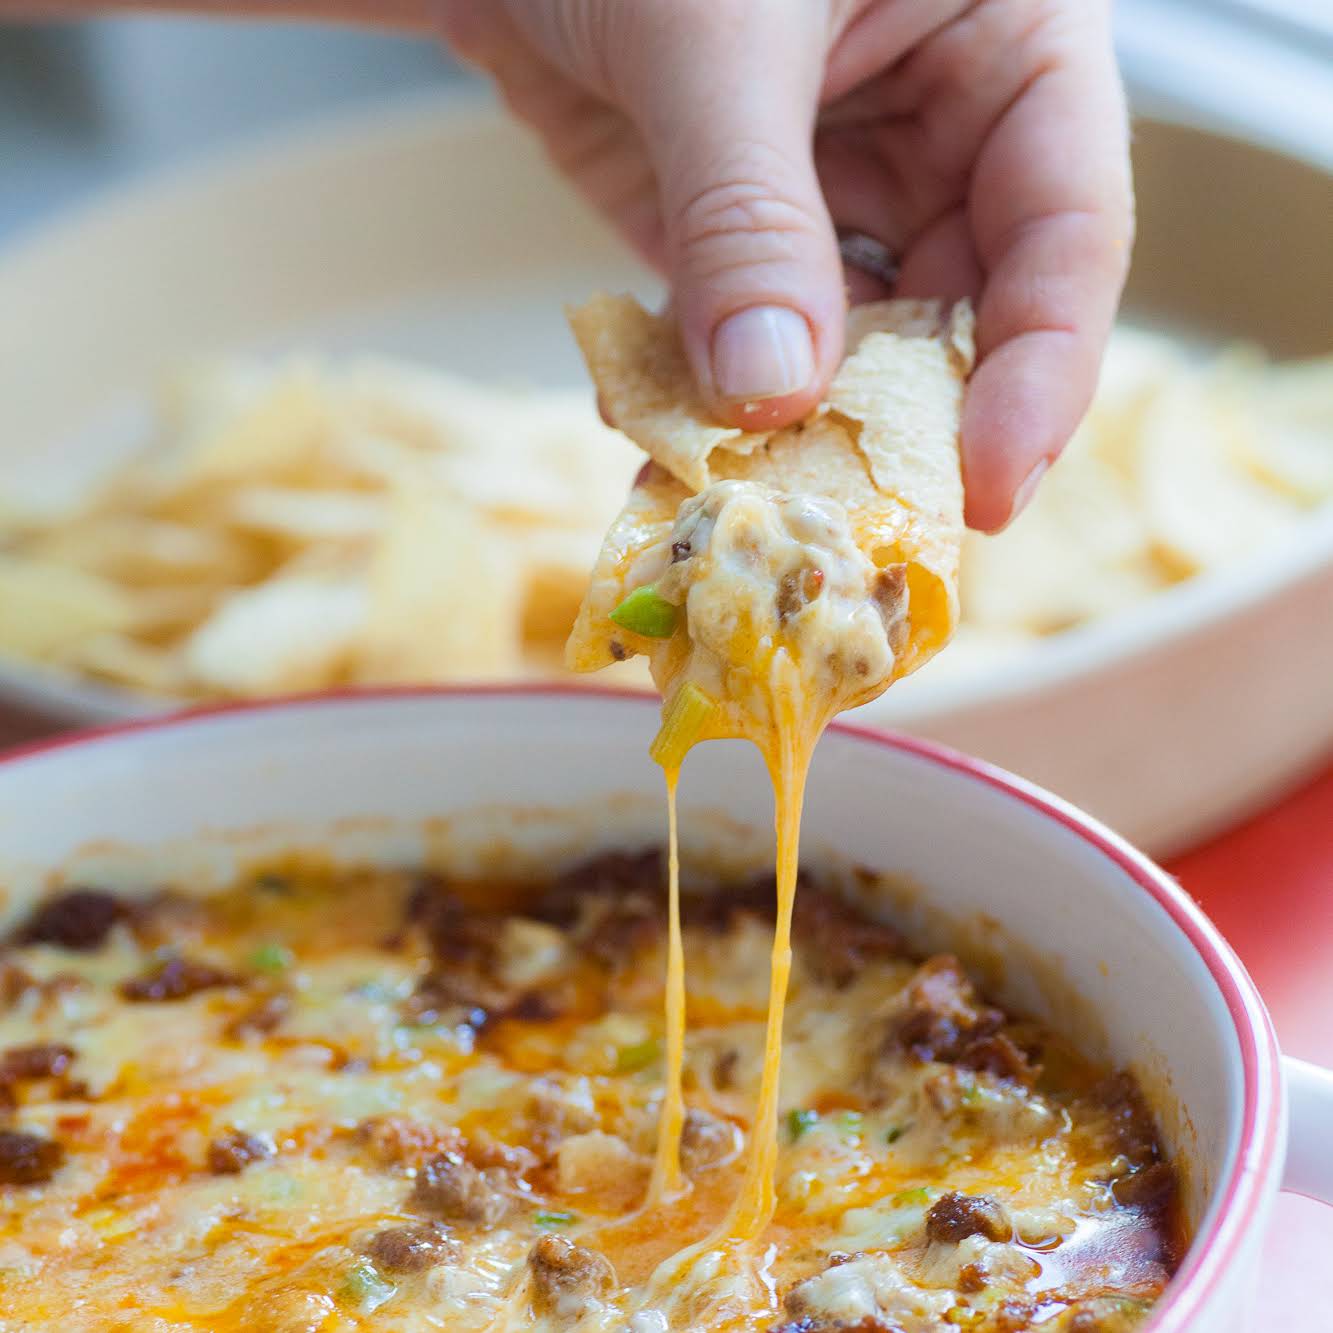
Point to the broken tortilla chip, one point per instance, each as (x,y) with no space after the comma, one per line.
(884,445)
(646,388)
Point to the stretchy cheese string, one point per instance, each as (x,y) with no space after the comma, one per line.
(667,1181)
(753,1208)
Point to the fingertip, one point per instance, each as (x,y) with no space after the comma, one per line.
(765,366)
(769,413)
(1023,403)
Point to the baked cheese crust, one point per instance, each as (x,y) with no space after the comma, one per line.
(331,1099)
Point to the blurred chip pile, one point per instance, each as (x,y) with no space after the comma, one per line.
(1186,463)
(309,525)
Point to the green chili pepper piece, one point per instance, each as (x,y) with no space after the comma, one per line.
(271,957)
(630,1059)
(798,1121)
(644,612)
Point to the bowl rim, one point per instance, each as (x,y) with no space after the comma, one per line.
(1253,1174)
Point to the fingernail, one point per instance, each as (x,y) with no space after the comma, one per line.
(1026,490)
(763,352)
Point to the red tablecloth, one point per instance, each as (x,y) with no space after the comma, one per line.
(1269,887)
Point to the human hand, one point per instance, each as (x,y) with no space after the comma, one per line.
(983,142)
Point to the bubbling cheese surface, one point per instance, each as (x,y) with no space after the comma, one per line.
(334,1100)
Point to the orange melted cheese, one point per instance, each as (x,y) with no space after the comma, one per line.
(387,1091)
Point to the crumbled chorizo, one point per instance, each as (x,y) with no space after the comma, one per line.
(451,1188)
(260,1018)
(175,979)
(797,588)
(835,941)
(411,1248)
(28,1159)
(888,591)
(943,1013)
(533,1007)
(998,1055)
(78,919)
(34,1062)
(455,934)
(616,929)
(232,1152)
(954,1217)
(442,995)
(726,908)
(707,1141)
(606,874)
(468,982)
(567,1278)
(944,1019)
(15,983)
(396,1140)
(866,1324)
(724,1068)
(609,904)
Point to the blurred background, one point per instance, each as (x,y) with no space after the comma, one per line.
(86,104)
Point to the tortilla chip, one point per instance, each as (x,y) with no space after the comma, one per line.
(45,607)
(647,390)
(445,596)
(287,634)
(645,521)
(885,446)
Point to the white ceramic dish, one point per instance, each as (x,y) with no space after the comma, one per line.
(435,230)
(365,775)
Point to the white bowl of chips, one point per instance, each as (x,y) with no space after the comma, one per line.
(372,458)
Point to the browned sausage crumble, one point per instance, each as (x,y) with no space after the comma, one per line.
(379,1099)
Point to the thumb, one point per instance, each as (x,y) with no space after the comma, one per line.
(725,97)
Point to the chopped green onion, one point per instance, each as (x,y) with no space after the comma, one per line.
(271,957)
(895,1133)
(685,718)
(798,1121)
(847,1123)
(545,1220)
(646,612)
(363,1289)
(909,1198)
(630,1059)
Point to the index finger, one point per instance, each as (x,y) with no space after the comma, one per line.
(1052,217)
